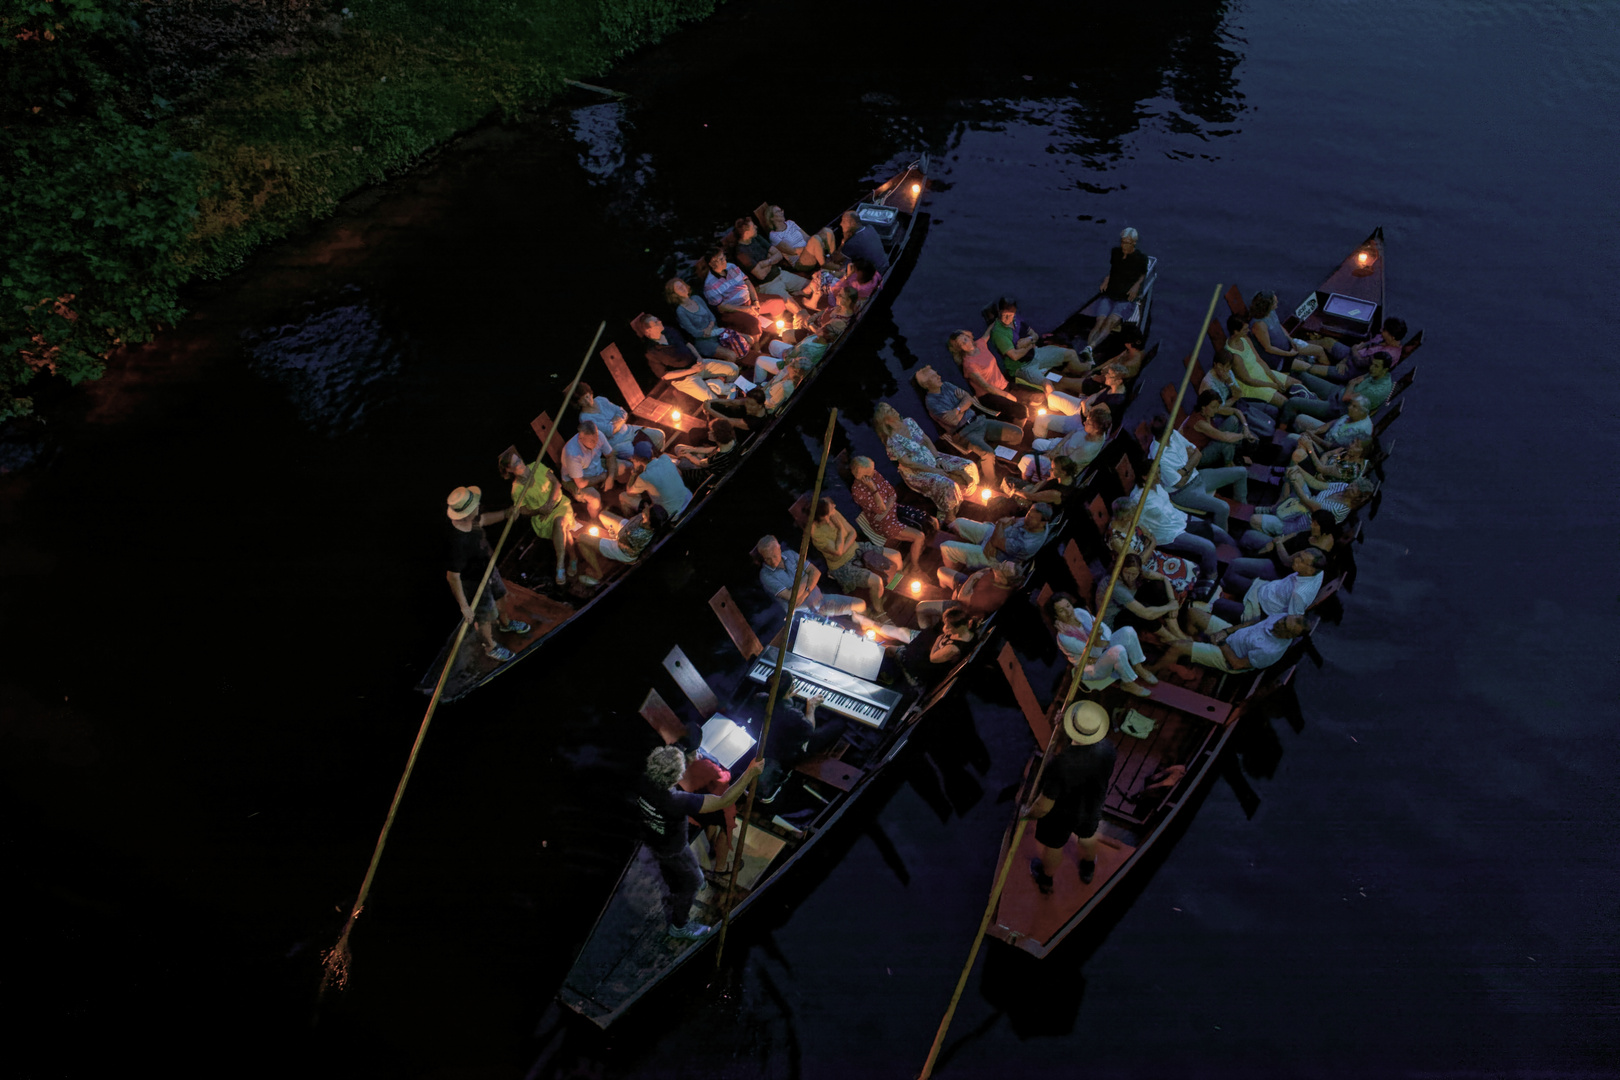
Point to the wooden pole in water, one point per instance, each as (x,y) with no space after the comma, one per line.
(776,680)
(1074,686)
(335,961)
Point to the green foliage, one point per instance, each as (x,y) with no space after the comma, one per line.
(111,199)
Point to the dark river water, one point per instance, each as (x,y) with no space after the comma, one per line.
(221,579)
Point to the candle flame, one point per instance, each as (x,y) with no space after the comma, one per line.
(781,325)
(1040,412)
(676,414)
(1362,258)
(594,531)
(916,189)
(985,494)
(871,635)
(916,587)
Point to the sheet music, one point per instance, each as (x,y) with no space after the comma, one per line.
(818,640)
(859,657)
(725,740)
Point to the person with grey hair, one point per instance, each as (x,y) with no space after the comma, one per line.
(1247,646)
(777,568)
(589,467)
(1354,425)
(1293,513)
(664,813)
(1265,591)
(1120,288)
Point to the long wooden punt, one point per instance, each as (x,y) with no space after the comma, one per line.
(629,951)
(1192,725)
(527,569)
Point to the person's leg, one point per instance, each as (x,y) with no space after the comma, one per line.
(916,540)
(874,589)
(694,387)
(1196,547)
(1053,357)
(830,727)
(684,876)
(1320,387)
(1230,610)
(1193,497)
(1212,533)
(1050,859)
(960,554)
(1244,572)
(1299,409)
(834,604)
(1217,455)
(930,612)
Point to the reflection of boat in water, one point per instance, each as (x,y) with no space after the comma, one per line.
(1167,745)
(891,210)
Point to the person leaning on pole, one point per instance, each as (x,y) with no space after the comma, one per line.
(469,552)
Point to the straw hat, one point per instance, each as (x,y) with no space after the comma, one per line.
(462,503)
(1085,722)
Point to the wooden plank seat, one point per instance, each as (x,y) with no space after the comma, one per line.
(831,770)
(1327,590)
(1410,346)
(736,624)
(1389,417)
(1190,701)
(656,711)
(1402,384)
(691,683)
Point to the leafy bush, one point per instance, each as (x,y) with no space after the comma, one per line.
(113,195)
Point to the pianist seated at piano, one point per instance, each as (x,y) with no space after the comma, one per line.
(776,570)
(796,736)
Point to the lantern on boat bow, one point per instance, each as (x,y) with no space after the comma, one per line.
(1366,261)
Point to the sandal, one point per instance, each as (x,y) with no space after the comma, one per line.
(516,626)
(498,653)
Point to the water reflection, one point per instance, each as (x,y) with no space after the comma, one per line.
(333,362)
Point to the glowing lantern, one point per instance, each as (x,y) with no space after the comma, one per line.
(1366,259)
(781,325)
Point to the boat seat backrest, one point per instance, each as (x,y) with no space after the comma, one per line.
(1235,302)
(614,359)
(1217,334)
(1100,515)
(1078,570)
(691,683)
(656,711)
(1389,418)
(551,441)
(736,624)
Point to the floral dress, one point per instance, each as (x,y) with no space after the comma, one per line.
(1179,574)
(907,449)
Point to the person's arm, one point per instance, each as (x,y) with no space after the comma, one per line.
(1150,545)
(846,536)
(491,517)
(944,650)
(1263,336)
(998,538)
(610,465)
(461,597)
(966,591)
(712,803)
(1233,661)
(1041,806)
(1210,431)
(1132,292)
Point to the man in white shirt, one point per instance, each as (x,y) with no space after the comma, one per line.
(589,467)
(1172,530)
(1246,647)
(1191,487)
(656,478)
(1290,595)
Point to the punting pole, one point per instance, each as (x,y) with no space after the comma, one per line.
(776,680)
(1074,687)
(335,961)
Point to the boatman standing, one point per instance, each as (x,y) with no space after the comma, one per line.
(665,809)
(469,552)
(1071,795)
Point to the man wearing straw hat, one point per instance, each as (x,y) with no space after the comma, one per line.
(1071,795)
(469,554)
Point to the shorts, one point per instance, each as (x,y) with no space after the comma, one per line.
(612,550)
(1207,654)
(486,611)
(852,575)
(1054,832)
(1104,307)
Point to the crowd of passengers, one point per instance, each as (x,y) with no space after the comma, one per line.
(1009,386)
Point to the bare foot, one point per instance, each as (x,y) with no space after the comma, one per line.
(1133,688)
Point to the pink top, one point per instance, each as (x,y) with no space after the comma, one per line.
(982,363)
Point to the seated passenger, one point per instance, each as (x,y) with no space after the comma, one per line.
(985,543)
(776,569)
(953,409)
(1245,647)
(1086,433)
(982,372)
(931,651)
(747,412)
(1217,440)
(1121,287)
(624,546)
(980,593)
(1329,466)
(1180,574)
(1375,384)
(546,505)
(846,555)
(673,359)
(845,301)
(1173,530)
(1261,383)
(1143,599)
(1220,381)
(1321,536)
(1263,591)
(861,241)
(1116,656)
(589,467)
(795,737)
(882,510)
(1059,489)
(1354,426)
(862,276)
(1272,340)
(654,480)
(942,478)
(614,422)
(804,252)
(699,461)
(1293,514)
(728,290)
(763,263)
(811,349)
(1129,358)
(1349,362)
(1191,486)
(1015,346)
(711,340)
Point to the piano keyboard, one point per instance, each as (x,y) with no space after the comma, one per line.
(842,692)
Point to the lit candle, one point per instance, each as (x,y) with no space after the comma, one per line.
(594,531)
(781,325)
(985,494)
(1040,412)
(916,587)
(1362,257)
(871,635)
(916,189)
(675,414)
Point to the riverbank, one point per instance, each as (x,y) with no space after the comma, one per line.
(147,145)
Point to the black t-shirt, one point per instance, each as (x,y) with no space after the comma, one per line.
(751,254)
(467,554)
(864,243)
(663,816)
(674,356)
(1123,272)
(1077,781)
(790,729)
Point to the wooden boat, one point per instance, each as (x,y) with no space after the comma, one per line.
(629,951)
(1191,726)
(893,209)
